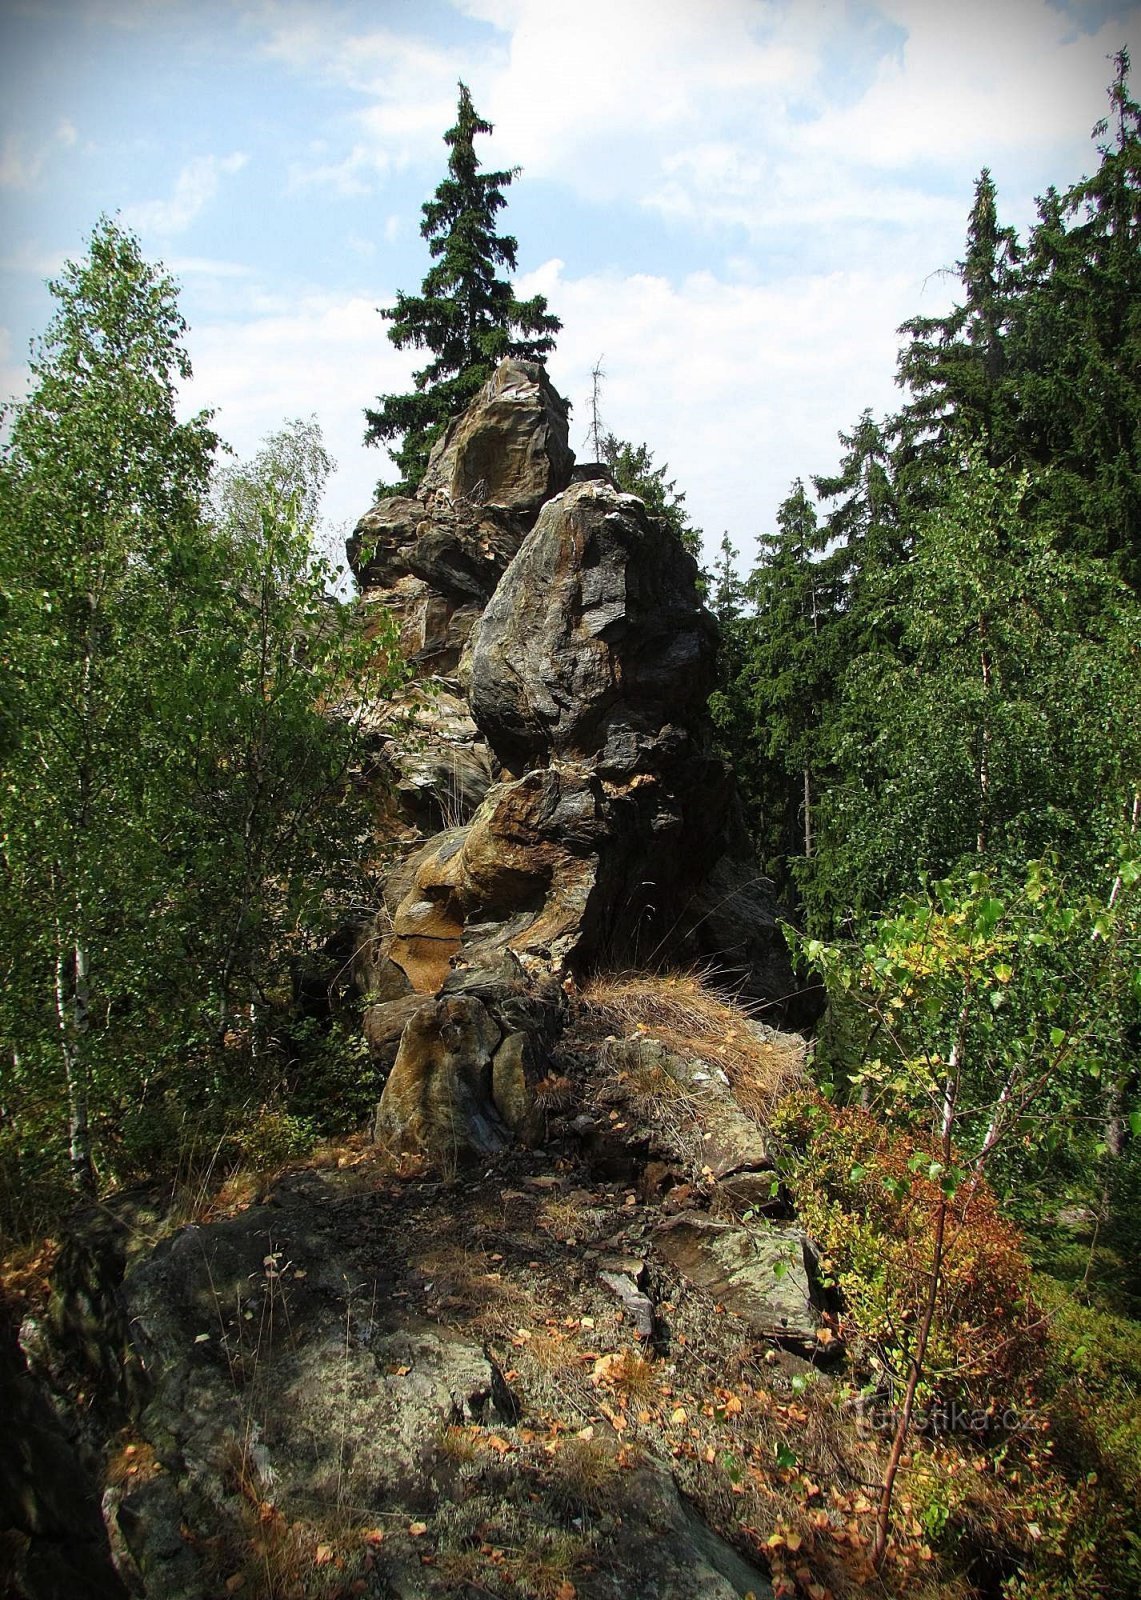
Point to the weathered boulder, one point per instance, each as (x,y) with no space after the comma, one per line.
(586,658)
(434,560)
(595,642)
(764,1274)
(440,1094)
(508,449)
(704,1115)
(316,1369)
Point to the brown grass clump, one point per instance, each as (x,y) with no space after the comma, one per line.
(691,1020)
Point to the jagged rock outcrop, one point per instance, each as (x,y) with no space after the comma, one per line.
(508,450)
(595,645)
(422,1378)
(561,774)
(434,561)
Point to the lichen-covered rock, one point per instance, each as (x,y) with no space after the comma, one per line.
(588,817)
(764,1274)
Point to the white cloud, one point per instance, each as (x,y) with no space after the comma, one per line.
(194,188)
(20,167)
(740,387)
(729,113)
(409,82)
(354,175)
(975,81)
(321,354)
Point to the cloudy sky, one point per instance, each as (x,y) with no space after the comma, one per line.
(732,203)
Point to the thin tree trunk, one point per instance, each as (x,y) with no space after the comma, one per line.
(915,1372)
(1115,1086)
(984,742)
(807,816)
(71,1015)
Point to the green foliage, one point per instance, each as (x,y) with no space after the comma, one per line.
(1002,721)
(465,314)
(179,813)
(273,1137)
(1002,1013)
(1082,1491)
(1075,346)
(868,1195)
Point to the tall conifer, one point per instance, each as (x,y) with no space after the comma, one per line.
(465,314)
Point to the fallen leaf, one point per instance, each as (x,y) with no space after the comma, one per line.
(235,1582)
(678,1417)
(322,1555)
(417,1528)
(566,1591)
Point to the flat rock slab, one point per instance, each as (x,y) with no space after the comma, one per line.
(762,1274)
(731,1141)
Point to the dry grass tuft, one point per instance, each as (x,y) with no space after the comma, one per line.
(695,1021)
(571,1221)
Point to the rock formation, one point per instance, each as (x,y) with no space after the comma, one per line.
(563,740)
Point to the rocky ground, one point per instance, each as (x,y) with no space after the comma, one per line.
(591,1368)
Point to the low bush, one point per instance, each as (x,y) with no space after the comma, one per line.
(871,1208)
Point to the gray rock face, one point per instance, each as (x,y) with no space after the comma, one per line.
(565,755)
(439,1096)
(304,1382)
(508,449)
(763,1274)
(595,643)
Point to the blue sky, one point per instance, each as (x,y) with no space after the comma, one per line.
(734,203)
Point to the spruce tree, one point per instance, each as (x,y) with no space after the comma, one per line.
(955,366)
(633,470)
(1076,343)
(465,314)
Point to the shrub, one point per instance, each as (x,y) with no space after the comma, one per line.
(865,1196)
